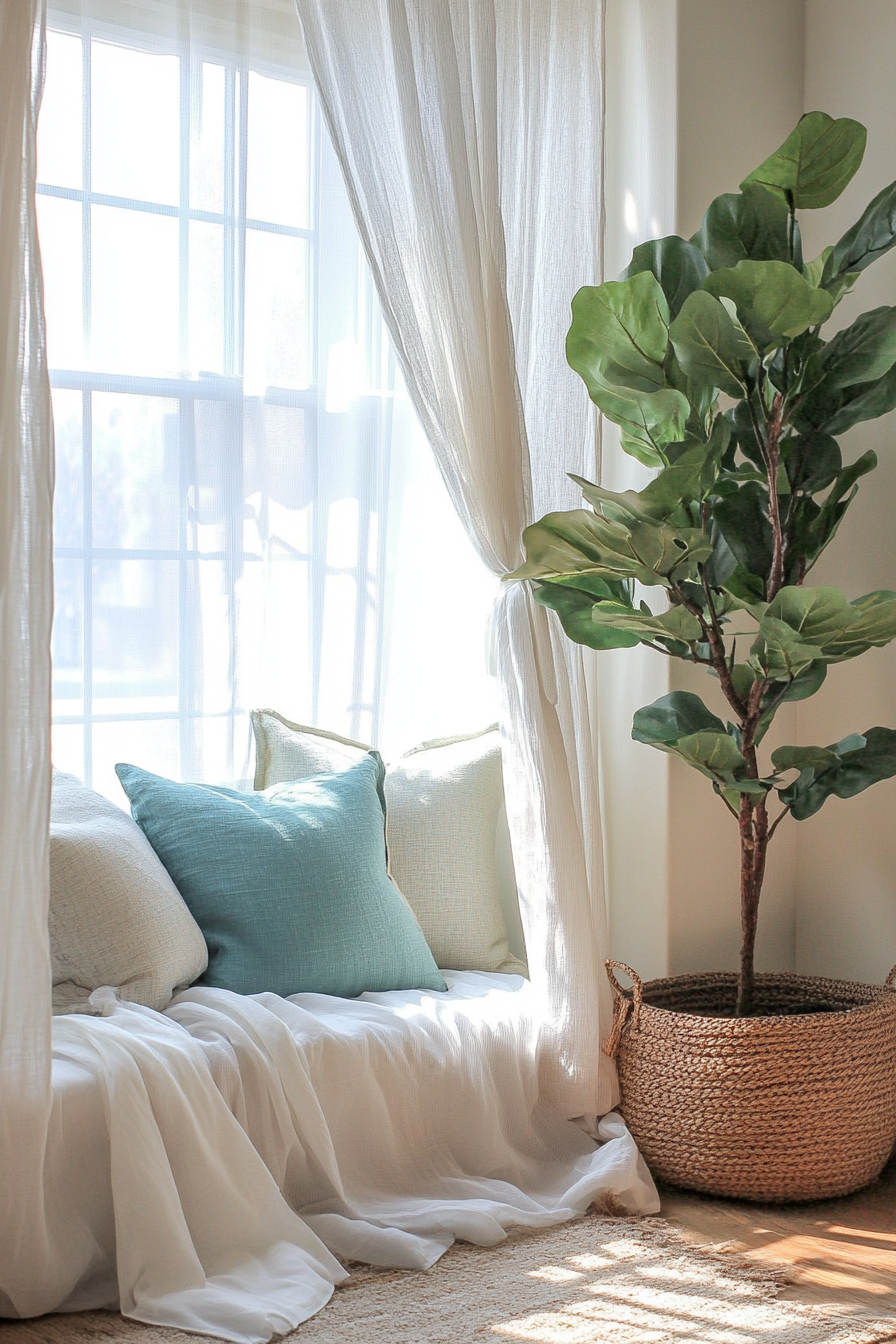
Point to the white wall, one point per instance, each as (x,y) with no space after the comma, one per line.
(698,93)
(740,93)
(639,186)
(846,857)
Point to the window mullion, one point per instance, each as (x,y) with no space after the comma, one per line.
(87,399)
(87,617)
(242,156)
(184,214)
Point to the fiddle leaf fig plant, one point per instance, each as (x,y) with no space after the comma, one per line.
(708,354)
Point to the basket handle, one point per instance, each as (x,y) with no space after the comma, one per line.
(626,1004)
(890,981)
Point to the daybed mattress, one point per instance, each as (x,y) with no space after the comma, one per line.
(390,1124)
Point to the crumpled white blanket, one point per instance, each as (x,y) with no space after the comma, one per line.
(253,1139)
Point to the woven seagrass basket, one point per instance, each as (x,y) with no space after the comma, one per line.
(787,1106)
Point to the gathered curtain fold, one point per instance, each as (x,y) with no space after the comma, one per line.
(26,608)
(470,136)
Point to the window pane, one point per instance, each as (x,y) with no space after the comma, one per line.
(68,491)
(59,129)
(135,472)
(134,636)
(207,633)
(206,298)
(134,317)
(68,748)
(277,650)
(207,140)
(285,476)
(59,229)
(135,123)
(277,164)
(338,653)
(152,745)
(68,638)
(277,312)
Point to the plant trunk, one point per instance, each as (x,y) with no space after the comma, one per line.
(753,822)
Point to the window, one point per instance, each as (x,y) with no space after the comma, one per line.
(246,512)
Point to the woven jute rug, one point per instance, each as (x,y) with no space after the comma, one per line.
(599,1280)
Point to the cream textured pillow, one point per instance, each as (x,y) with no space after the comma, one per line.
(443,802)
(116,918)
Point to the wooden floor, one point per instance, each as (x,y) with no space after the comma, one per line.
(841,1251)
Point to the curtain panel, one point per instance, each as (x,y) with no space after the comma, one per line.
(242,484)
(470,136)
(26,485)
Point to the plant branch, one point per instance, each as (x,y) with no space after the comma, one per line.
(716,641)
(777,822)
(772,456)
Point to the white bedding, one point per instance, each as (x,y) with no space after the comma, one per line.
(392,1124)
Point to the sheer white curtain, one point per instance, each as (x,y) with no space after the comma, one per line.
(470,135)
(26,482)
(243,488)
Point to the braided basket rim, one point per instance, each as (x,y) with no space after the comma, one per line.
(813,985)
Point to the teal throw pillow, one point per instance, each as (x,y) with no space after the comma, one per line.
(289,886)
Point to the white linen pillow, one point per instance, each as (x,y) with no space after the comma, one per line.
(116,918)
(443,804)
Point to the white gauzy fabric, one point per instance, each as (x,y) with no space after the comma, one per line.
(26,482)
(203,1238)
(470,137)
(391,1124)
(237,399)
(411,1112)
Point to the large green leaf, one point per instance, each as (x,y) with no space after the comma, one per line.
(869,238)
(816,161)
(617,344)
(562,546)
(779,654)
(690,476)
(773,301)
(623,324)
(677,623)
(597,588)
(803,624)
(835,410)
(679,267)
(648,420)
(701,398)
(743,521)
(715,755)
(751,225)
(873,627)
(840,496)
(811,461)
(721,565)
(574,607)
(811,528)
(804,758)
(707,347)
(842,770)
(674,716)
(680,724)
(860,353)
(626,506)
